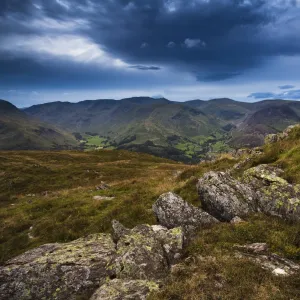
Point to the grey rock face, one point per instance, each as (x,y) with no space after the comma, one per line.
(172,211)
(145,252)
(172,241)
(260,189)
(224,197)
(256,248)
(271,138)
(59,271)
(275,195)
(125,290)
(138,258)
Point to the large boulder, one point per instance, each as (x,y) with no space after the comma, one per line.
(224,197)
(59,271)
(172,211)
(146,252)
(260,189)
(119,289)
(275,196)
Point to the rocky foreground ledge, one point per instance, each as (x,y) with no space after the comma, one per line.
(126,265)
(131,263)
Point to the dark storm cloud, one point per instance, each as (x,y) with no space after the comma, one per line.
(25,72)
(214,40)
(234,35)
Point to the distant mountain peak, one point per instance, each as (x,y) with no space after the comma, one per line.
(5,105)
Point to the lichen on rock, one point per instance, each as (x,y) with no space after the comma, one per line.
(59,271)
(146,252)
(275,196)
(118,289)
(224,197)
(260,189)
(172,211)
(273,138)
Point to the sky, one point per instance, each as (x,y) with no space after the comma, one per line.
(72,50)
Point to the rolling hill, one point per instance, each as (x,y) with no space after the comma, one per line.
(269,118)
(157,126)
(185,131)
(19,131)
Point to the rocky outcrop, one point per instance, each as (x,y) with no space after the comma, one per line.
(273,138)
(275,196)
(172,211)
(260,189)
(247,152)
(224,197)
(126,266)
(59,271)
(145,252)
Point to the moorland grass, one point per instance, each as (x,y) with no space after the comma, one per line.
(67,211)
(211,270)
(48,196)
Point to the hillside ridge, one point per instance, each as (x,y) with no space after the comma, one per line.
(189,131)
(19,131)
(186,131)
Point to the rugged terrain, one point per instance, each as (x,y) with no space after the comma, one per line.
(225,229)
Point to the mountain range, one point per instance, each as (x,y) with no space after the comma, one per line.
(185,131)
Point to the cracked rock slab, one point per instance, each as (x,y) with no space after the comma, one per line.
(146,252)
(59,271)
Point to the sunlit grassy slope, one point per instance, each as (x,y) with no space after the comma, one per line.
(285,154)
